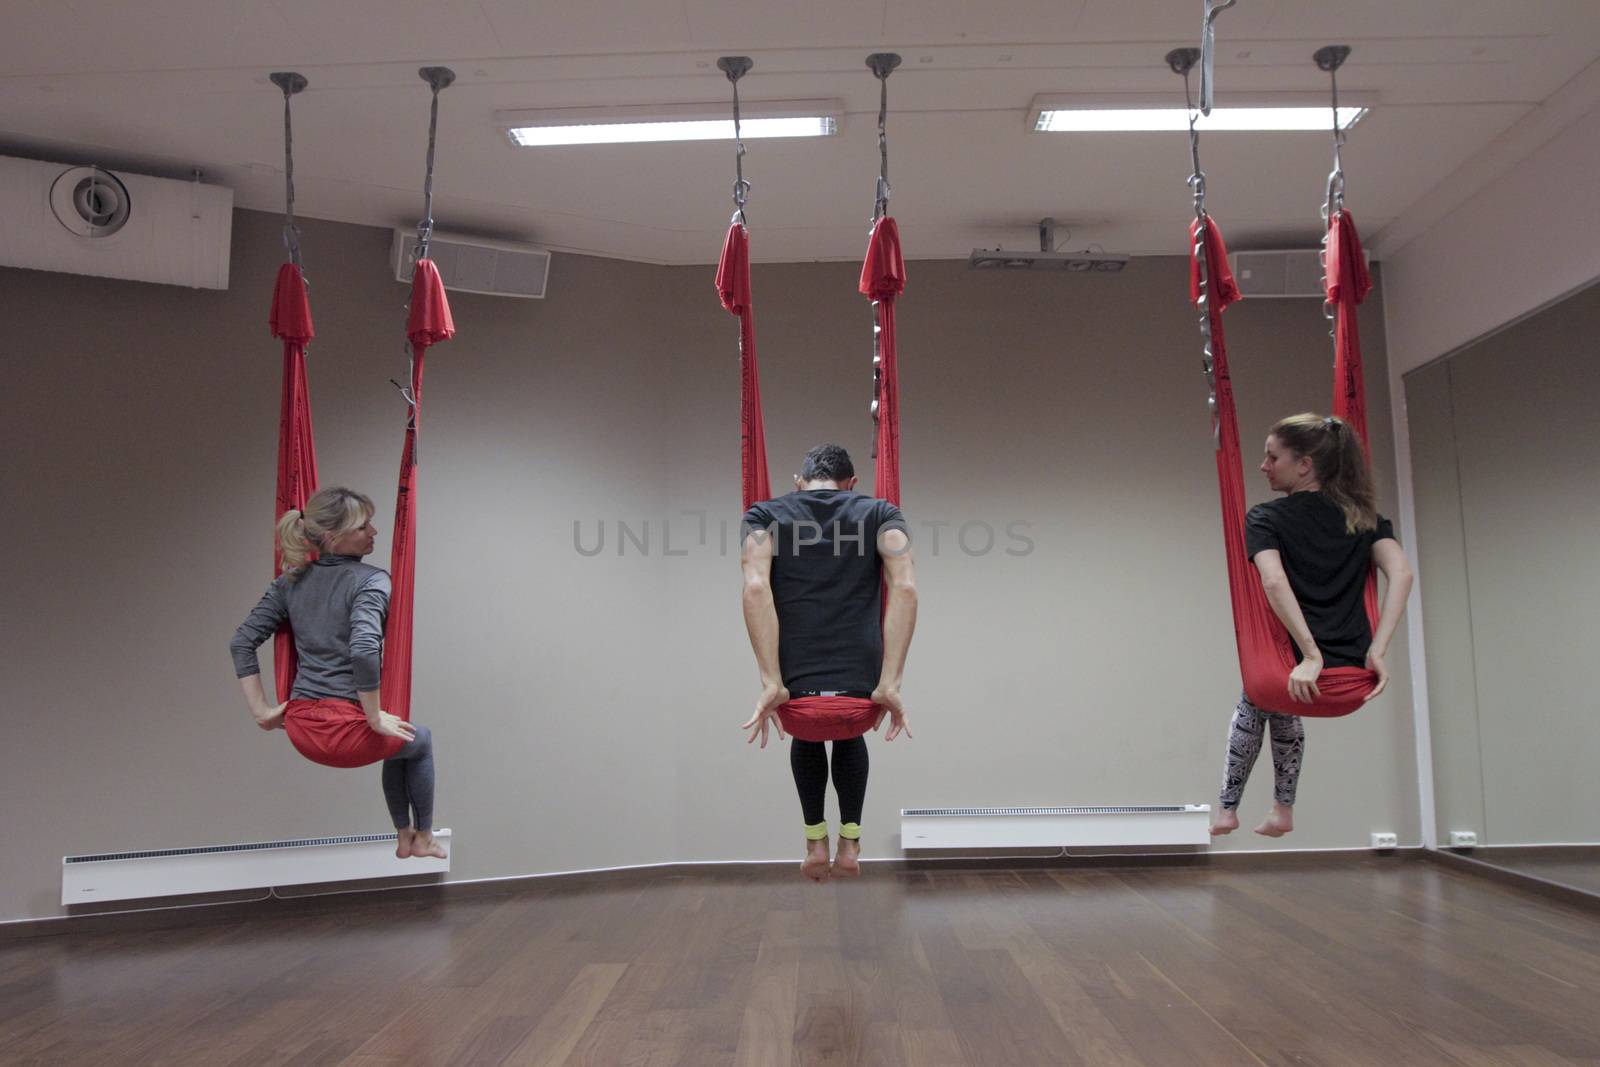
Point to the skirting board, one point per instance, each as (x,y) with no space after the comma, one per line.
(223,868)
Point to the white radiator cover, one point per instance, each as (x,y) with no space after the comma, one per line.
(224,868)
(1067,827)
(176,233)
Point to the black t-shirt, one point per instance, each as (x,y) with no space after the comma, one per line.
(826,577)
(1327,569)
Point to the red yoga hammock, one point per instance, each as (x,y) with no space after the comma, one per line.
(428,324)
(883,279)
(1266,652)
(290,320)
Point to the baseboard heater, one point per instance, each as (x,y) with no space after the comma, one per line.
(222,868)
(1148,824)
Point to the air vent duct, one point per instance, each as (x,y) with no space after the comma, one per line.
(477,264)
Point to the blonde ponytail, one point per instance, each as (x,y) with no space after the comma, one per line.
(329,513)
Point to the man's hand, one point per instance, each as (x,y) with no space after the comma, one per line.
(269,718)
(766,713)
(1376,665)
(1303,680)
(888,701)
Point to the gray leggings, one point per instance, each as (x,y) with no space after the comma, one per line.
(408,783)
(1244,745)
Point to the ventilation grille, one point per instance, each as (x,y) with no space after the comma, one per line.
(212,850)
(477,265)
(1138,809)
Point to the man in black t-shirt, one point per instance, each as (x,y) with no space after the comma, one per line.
(815,562)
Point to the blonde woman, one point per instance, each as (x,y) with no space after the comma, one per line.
(335,605)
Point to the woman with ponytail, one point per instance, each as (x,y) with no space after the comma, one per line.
(336,606)
(1314,548)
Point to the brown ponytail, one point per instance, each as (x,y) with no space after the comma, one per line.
(1339,462)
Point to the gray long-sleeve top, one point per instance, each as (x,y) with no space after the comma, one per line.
(336,608)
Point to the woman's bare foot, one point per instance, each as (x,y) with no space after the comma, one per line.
(403,839)
(423,844)
(847,862)
(1227,822)
(815,865)
(1279,821)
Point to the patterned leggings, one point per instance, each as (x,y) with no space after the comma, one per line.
(1244,745)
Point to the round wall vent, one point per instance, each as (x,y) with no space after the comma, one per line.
(90,202)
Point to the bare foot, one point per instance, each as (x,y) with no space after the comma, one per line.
(847,863)
(423,844)
(1227,822)
(1279,821)
(403,839)
(815,865)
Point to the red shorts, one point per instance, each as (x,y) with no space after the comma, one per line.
(335,733)
(827,718)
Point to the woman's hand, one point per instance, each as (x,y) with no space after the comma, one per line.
(269,718)
(1303,680)
(888,701)
(392,726)
(1377,666)
(766,713)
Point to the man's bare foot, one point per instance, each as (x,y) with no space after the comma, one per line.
(402,842)
(1279,821)
(423,844)
(847,861)
(1227,822)
(815,865)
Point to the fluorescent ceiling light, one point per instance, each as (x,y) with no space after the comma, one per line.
(1132,120)
(669,122)
(691,130)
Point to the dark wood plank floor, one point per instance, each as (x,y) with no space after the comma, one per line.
(1356,961)
(1574,865)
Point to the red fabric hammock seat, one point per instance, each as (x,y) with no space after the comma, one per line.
(883,279)
(1266,651)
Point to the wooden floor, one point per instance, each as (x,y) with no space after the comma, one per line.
(1574,865)
(1356,961)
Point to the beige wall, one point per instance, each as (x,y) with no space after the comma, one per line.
(586,708)
(1507,509)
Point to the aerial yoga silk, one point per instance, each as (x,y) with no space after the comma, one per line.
(290,320)
(429,323)
(1266,651)
(821,718)
(326,731)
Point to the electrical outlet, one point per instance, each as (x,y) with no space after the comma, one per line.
(1385,841)
(1463,839)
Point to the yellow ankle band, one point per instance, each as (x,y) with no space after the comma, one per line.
(817,832)
(851,830)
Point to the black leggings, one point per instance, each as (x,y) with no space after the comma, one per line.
(809,761)
(408,783)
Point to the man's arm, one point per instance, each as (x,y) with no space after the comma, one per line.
(760,611)
(899,622)
(761,623)
(1275,582)
(900,618)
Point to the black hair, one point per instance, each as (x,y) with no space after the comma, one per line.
(827,463)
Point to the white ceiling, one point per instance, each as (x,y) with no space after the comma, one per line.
(175,84)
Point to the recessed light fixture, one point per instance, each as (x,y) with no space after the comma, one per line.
(1141,113)
(669,122)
